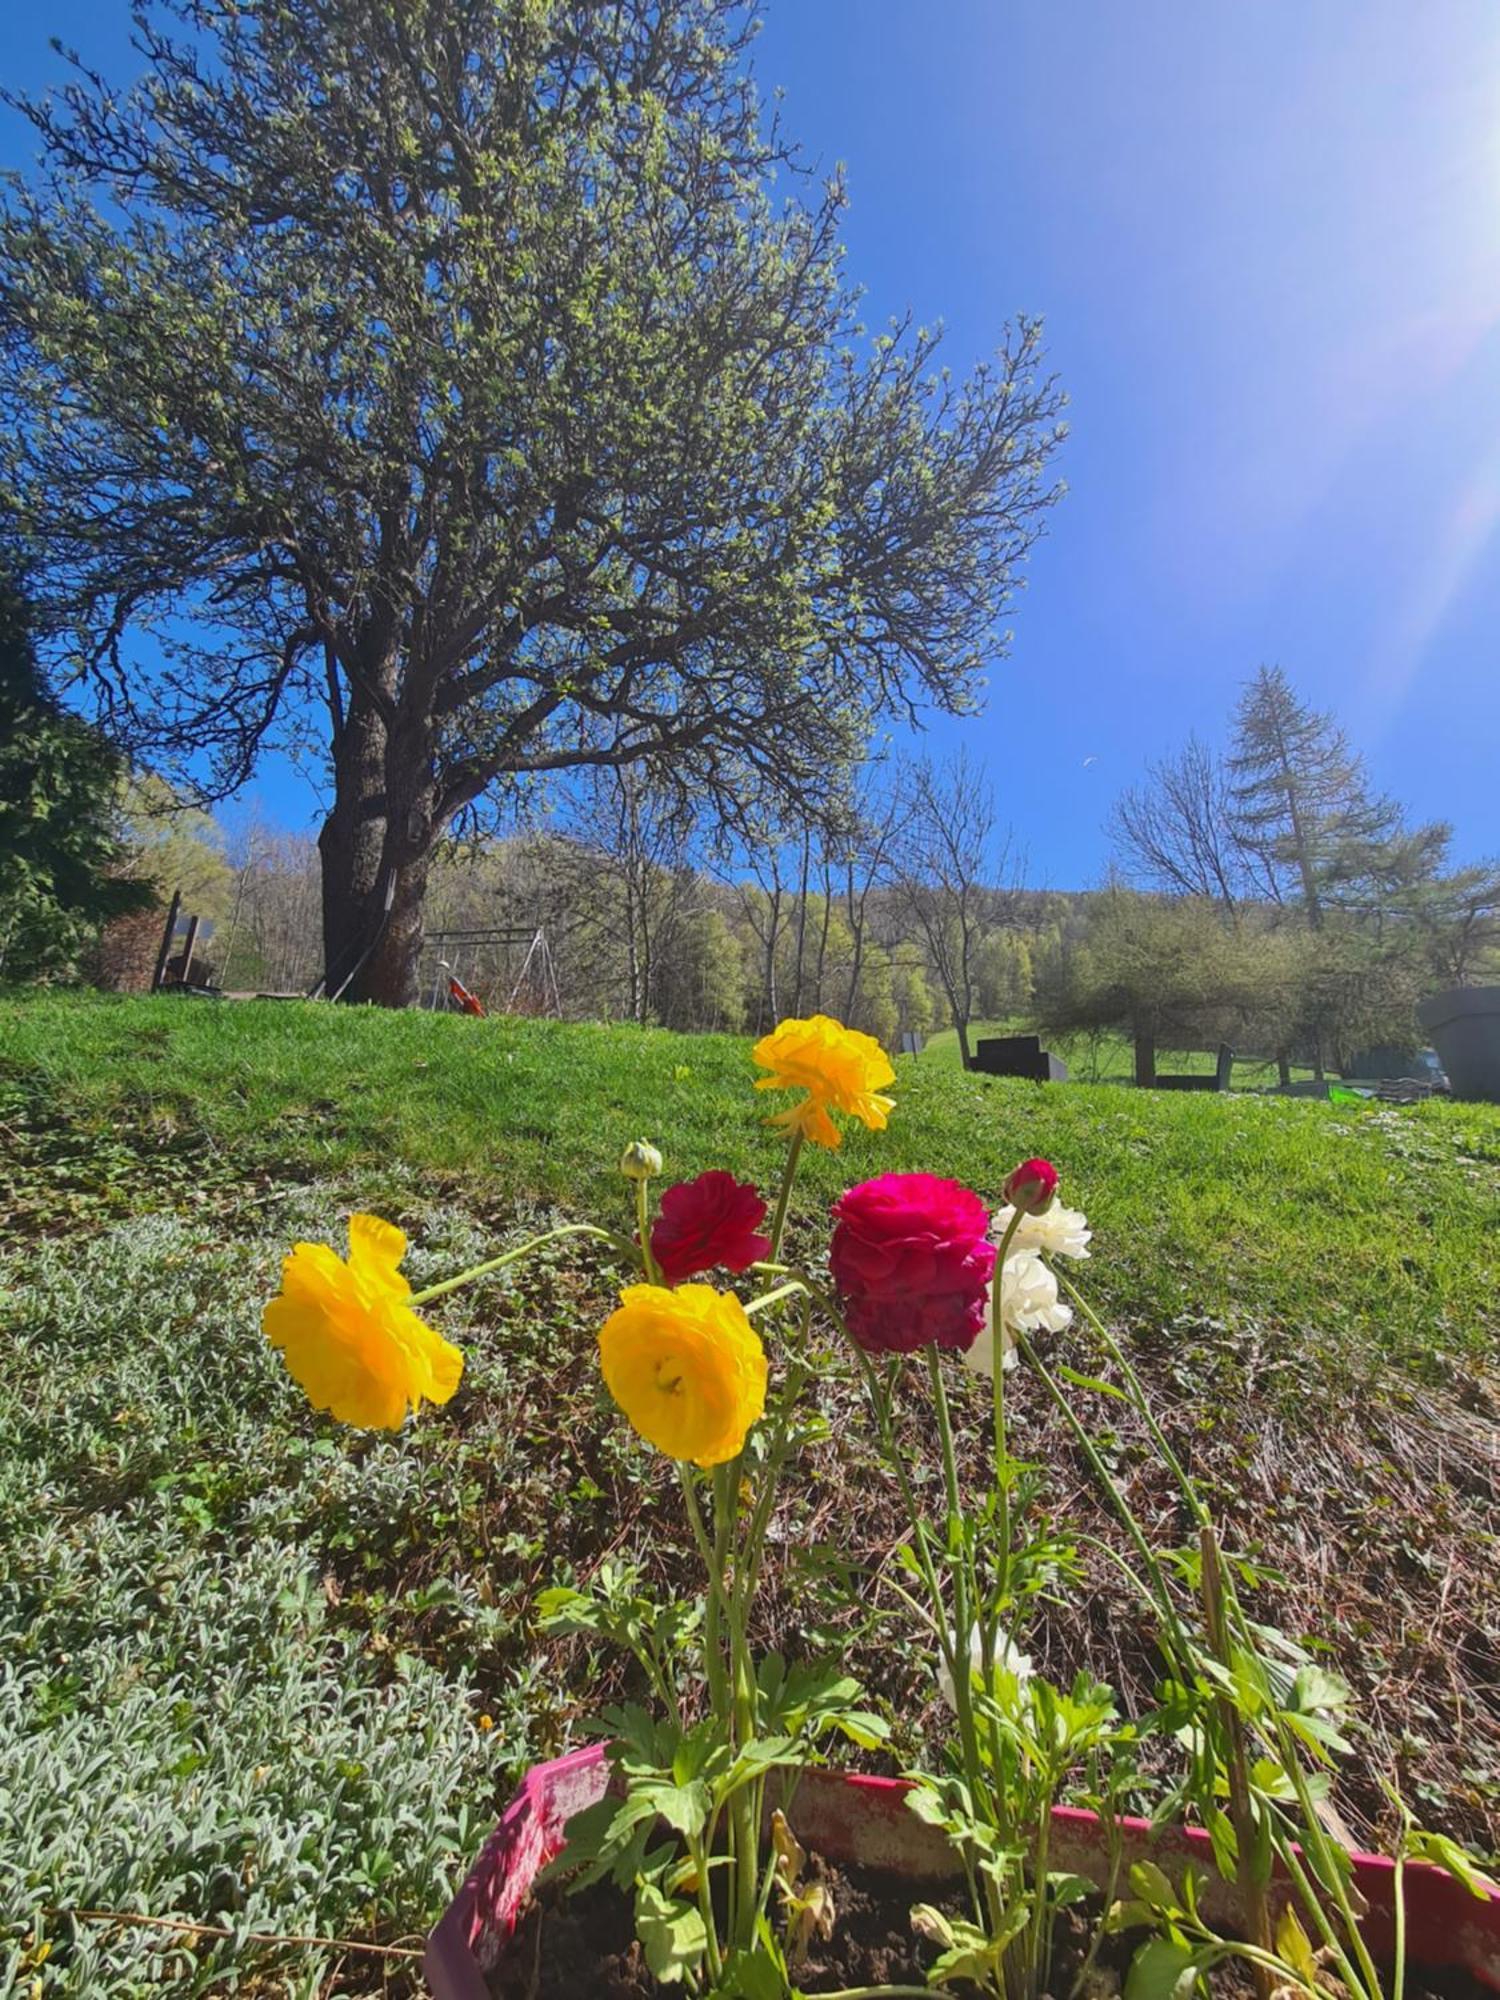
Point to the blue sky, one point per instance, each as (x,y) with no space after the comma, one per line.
(1266,241)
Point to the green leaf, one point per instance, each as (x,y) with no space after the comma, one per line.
(1092,1382)
(1154,1886)
(684,1807)
(672,1934)
(1449,1856)
(750,1975)
(1295,1946)
(1158,1969)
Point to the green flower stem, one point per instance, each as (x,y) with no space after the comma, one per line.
(886,1993)
(893,1458)
(744,1817)
(1002,1448)
(945,1430)
(713,1617)
(1312,1902)
(521,1250)
(1237,1772)
(643,1233)
(1326,1867)
(786,1291)
(1366,1979)
(788,1175)
(698,1854)
(961,1556)
(1201,1515)
(1107,1481)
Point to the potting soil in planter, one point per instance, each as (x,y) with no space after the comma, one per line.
(565,1947)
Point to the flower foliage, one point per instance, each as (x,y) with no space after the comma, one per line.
(348,1335)
(711,1221)
(839,1069)
(912,1262)
(686,1367)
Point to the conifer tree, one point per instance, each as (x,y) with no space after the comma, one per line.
(1303,813)
(61,873)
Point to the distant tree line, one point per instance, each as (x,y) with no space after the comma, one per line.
(1264,895)
(1269,896)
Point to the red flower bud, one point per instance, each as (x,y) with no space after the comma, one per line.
(1032,1187)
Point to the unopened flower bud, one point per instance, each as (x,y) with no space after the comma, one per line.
(1032,1187)
(640,1160)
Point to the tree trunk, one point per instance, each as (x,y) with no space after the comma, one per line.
(1145,1062)
(962,1026)
(376,848)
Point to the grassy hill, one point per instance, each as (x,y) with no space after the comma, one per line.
(265,1676)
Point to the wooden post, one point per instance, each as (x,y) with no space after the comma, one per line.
(1145,1061)
(166,941)
(187,949)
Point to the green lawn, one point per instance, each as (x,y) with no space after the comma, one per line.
(261,1674)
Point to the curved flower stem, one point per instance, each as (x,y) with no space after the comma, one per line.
(786,1291)
(1002,1445)
(960,1558)
(897,1463)
(788,1175)
(740,1712)
(1143,1548)
(1138,1396)
(1366,1979)
(521,1250)
(713,1622)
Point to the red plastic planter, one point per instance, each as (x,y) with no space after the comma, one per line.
(866,1821)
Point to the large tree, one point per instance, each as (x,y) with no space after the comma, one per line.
(473,383)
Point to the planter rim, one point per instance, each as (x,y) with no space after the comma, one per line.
(1446,1925)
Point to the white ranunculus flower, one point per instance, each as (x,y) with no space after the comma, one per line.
(1028,1299)
(1006,1657)
(1061,1232)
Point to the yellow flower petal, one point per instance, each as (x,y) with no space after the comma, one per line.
(839,1068)
(686,1367)
(349,1339)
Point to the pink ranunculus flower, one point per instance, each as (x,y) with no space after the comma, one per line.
(911,1262)
(710,1221)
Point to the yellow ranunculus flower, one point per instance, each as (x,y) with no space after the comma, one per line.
(838,1067)
(348,1335)
(686,1367)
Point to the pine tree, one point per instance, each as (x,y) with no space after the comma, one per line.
(59,844)
(1302,809)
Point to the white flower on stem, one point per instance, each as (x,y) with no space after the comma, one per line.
(1008,1659)
(1061,1232)
(1029,1301)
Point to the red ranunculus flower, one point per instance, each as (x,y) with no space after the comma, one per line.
(712,1220)
(1031,1187)
(912,1262)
